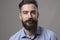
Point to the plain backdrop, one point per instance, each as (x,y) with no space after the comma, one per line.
(49,11)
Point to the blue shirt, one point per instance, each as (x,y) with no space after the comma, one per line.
(41,34)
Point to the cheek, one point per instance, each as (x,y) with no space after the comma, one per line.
(24,18)
(35,16)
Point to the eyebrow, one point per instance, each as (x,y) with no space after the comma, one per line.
(25,11)
(28,11)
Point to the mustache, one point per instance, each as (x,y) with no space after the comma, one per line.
(30,20)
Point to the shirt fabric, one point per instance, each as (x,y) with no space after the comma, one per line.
(41,34)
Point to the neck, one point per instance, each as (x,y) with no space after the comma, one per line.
(31,32)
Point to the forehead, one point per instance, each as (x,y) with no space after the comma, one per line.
(28,7)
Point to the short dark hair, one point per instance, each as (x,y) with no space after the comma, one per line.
(27,2)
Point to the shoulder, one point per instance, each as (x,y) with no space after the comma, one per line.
(45,31)
(16,35)
(50,34)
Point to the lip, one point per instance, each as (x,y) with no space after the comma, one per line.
(30,22)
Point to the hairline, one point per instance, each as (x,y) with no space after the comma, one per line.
(26,4)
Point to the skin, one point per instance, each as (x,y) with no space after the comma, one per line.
(28,11)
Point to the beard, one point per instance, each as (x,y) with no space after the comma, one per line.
(32,24)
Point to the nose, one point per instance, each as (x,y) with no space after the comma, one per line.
(29,15)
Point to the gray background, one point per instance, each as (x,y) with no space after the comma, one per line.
(10,23)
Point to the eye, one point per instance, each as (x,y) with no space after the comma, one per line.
(25,12)
(33,12)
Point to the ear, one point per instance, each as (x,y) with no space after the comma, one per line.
(19,15)
(38,15)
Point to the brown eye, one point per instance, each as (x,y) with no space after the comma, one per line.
(33,12)
(25,12)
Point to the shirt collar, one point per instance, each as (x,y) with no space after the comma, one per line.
(22,33)
(39,30)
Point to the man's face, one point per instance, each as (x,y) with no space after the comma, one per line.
(29,16)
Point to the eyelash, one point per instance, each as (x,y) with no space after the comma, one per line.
(25,12)
(31,12)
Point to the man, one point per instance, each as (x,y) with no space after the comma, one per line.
(31,31)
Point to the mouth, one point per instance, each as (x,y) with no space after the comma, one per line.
(30,23)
